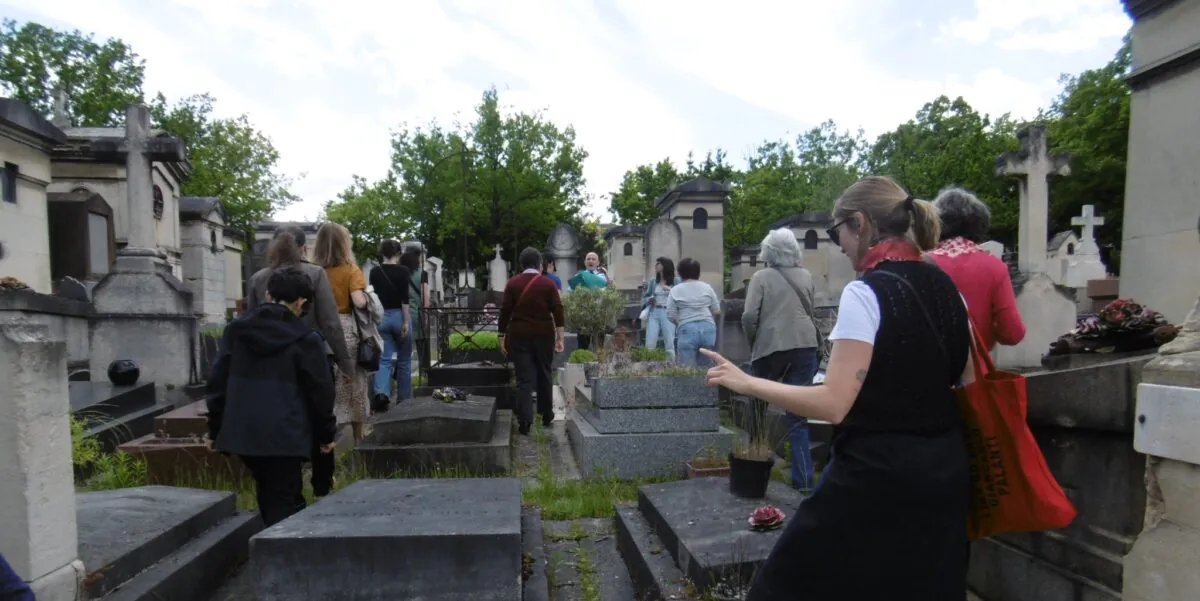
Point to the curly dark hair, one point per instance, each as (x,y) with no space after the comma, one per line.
(963,215)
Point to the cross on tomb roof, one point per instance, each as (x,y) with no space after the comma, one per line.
(140,149)
(1088,220)
(1035,165)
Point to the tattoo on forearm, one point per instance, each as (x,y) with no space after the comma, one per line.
(861,376)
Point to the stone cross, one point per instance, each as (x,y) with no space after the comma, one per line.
(1035,164)
(498,250)
(140,148)
(1089,220)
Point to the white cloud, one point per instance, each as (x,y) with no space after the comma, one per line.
(1041,26)
(805,61)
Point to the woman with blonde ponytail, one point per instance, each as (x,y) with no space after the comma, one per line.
(888,519)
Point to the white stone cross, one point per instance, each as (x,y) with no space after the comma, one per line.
(1036,165)
(498,250)
(1089,220)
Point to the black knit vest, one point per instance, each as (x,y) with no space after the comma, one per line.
(908,383)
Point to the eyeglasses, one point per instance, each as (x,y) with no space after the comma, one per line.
(833,232)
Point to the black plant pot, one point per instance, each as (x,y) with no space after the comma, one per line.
(748,478)
(124,372)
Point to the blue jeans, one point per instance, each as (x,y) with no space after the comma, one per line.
(658,323)
(693,336)
(797,367)
(394,343)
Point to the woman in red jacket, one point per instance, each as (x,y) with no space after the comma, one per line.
(981,278)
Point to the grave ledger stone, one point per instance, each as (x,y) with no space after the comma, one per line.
(1048,310)
(142,311)
(37,499)
(380,540)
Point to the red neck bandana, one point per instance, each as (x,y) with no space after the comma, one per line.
(891,249)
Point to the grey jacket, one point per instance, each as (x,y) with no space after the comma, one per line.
(774,310)
(320,313)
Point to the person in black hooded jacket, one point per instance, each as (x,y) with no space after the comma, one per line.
(270,395)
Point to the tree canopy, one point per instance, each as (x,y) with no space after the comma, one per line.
(231,159)
(946,143)
(505,178)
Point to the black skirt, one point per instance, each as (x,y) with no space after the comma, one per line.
(888,520)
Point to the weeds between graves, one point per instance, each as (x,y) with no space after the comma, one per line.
(589,580)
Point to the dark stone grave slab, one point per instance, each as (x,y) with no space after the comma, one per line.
(493,457)
(425,420)
(383,540)
(122,532)
(704,527)
(189,421)
(651,392)
(505,394)
(104,401)
(462,375)
(651,568)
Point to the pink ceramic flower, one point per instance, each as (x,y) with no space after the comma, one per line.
(766,517)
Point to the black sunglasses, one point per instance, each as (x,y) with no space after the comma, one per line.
(833,233)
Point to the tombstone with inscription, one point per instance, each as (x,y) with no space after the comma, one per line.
(397,539)
(1047,309)
(142,311)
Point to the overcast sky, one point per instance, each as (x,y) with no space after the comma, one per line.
(639,79)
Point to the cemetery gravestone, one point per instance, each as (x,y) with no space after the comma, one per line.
(426,433)
(379,540)
(634,427)
(994,248)
(564,249)
(1047,310)
(497,271)
(37,499)
(142,311)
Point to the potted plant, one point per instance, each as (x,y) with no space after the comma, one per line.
(593,312)
(707,465)
(751,461)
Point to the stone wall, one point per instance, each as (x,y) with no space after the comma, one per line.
(1082,416)
(204,270)
(66,319)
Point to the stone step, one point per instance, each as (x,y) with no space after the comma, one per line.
(629,456)
(647,392)
(122,532)
(195,569)
(653,571)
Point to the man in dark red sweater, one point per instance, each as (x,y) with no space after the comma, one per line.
(531,330)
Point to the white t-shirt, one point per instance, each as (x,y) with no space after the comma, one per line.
(858,314)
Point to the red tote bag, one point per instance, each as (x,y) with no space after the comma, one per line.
(1012,489)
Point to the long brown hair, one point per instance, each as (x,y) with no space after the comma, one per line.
(284,249)
(333,246)
(883,201)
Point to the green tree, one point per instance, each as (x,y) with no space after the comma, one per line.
(502,179)
(231,160)
(949,143)
(1090,121)
(100,78)
(372,212)
(633,203)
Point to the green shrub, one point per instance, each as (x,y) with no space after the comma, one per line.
(582,356)
(486,341)
(641,354)
(593,311)
(213,332)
